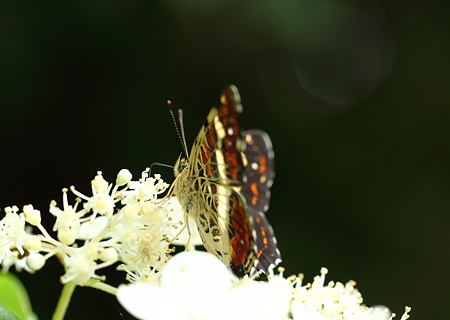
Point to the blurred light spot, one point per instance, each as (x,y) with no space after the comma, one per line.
(334,54)
(340,52)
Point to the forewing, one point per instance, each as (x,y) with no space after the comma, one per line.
(215,170)
(217,151)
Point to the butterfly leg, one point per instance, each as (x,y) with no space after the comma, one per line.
(189,246)
(176,236)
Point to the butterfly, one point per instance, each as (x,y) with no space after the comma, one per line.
(224,185)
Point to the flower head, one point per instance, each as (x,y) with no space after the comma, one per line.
(202,287)
(320,301)
(127,222)
(103,200)
(80,268)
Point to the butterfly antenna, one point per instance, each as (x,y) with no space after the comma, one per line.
(180,119)
(158,164)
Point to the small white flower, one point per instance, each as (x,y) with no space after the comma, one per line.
(131,211)
(139,273)
(405,315)
(14,228)
(80,269)
(146,189)
(80,265)
(68,220)
(15,260)
(101,202)
(14,223)
(32,216)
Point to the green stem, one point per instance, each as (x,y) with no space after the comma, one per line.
(64,300)
(102,286)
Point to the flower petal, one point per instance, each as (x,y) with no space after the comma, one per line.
(300,312)
(260,301)
(198,281)
(378,313)
(143,300)
(90,229)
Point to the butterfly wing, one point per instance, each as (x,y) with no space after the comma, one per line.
(208,188)
(217,150)
(225,185)
(256,191)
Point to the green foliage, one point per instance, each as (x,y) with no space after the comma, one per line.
(14,302)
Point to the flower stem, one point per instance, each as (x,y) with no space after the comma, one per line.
(64,300)
(103,287)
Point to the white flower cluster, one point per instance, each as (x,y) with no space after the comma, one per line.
(321,301)
(203,288)
(135,234)
(128,223)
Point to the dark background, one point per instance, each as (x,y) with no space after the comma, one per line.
(354,95)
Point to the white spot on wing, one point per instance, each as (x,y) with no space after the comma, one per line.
(220,130)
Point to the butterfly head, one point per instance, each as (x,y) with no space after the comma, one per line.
(180,165)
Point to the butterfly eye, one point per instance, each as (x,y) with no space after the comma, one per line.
(180,165)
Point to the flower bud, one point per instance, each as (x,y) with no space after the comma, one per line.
(109,254)
(66,236)
(35,261)
(32,242)
(123,177)
(99,183)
